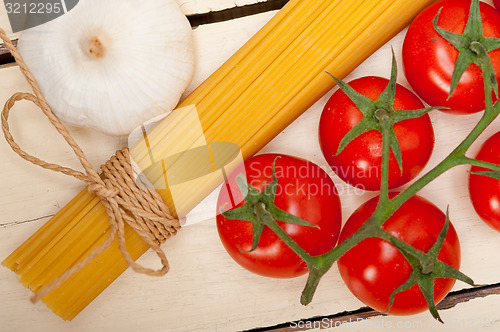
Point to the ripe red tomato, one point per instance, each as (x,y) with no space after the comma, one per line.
(359,164)
(305,191)
(429,59)
(485,191)
(374,268)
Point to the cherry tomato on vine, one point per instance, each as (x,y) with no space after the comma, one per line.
(485,190)
(429,60)
(303,190)
(359,164)
(373,269)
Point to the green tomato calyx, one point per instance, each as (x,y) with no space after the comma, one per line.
(373,110)
(473,47)
(259,208)
(426,268)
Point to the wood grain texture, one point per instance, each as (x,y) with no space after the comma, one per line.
(205,290)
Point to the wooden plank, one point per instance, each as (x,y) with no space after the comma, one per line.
(198,13)
(22,182)
(205,289)
(473,314)
(193,7)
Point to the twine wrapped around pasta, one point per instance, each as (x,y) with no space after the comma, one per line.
(124,200)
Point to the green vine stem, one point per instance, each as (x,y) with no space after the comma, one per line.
(266,218)
(483,164)
(385,119)
(455,158)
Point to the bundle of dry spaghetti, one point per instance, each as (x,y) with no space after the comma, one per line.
(260,90)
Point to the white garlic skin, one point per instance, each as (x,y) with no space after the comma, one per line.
(112,64)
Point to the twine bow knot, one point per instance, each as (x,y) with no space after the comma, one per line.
(124,200)
(103,190)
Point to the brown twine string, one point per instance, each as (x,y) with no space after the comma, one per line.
(142,209)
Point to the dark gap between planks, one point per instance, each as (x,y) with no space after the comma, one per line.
(236,12)
(5,57)
(196,19)
(450,301)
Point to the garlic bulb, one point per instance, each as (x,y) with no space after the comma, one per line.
(112,64)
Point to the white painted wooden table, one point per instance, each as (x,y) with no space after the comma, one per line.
(205,290)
